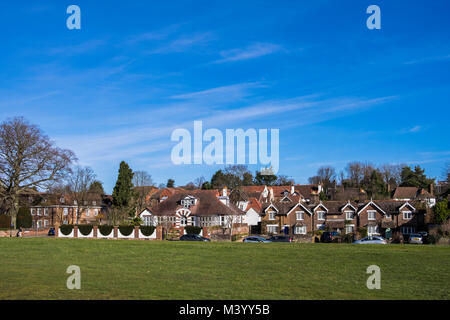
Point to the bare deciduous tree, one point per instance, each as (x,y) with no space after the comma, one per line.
(28,159)
(79,182)
(143,183)
(142,179)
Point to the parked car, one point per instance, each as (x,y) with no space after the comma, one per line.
(280,239)
(51,232)
(256,239)
(415,238)
(329,236)
(193,237)
(371,240)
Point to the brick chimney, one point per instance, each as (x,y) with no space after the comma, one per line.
(432,189)
(292,189)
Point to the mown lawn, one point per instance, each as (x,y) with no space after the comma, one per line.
(130,269)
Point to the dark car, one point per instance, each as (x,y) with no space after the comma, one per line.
(280,239)
(51,232)
(193,237)
(256,239)
(329,236)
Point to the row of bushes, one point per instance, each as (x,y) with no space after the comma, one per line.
(105,230)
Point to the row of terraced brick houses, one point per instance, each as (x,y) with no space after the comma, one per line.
(292,210)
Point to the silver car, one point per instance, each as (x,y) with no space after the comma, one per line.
(415,238)
(371,240)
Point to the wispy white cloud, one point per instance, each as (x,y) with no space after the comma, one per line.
(184,43)
(153,35)
(429,59)
(250,52)
(88,46)
(223,93)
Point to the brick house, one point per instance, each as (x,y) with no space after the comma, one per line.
(48,209)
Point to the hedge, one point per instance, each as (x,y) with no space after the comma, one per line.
(105,230)
(85,229)
(147,230)
(192,229)
(126,230)
(5,221)
(24,219)
(66,229)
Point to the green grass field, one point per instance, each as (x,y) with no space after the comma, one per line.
(127,269)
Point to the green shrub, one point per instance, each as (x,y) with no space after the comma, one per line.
(66,229)
(347,238)
(5,221)
(147,230)
(85,229)
(126,230)
(24,219)
(192,229)
(105,230)
(362,232)
(434,238)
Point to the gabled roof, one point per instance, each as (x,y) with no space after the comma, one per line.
(405,193)
(254,204)
(320,205)
(300,205)
(370,203)
(208,203)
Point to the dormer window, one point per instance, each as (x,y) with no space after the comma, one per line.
(271,215)
(75,202)
(94,203)
(62,200)
(371,215)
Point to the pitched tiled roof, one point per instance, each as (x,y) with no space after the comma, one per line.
(254,204)
(208,203)
(405,193)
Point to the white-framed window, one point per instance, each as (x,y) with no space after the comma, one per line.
(272,228)
(349,228)
(75,202)
(320,215)
(33,211)
(39,224)
(39,212)
(271,215)
(66,211)
(88,212)
(65,221)
(147,221)
(349,215)
(95,212)
(45,211)
(408,230)
(388,216)
(372,230)
(299,215)
(45,223)
(407,215)
(320,226)
(183,221)
(94,203)
(300,229)
(372,215)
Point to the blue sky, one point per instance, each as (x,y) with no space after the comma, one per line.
(137,70)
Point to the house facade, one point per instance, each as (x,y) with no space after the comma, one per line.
(48,209)
(202,208)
